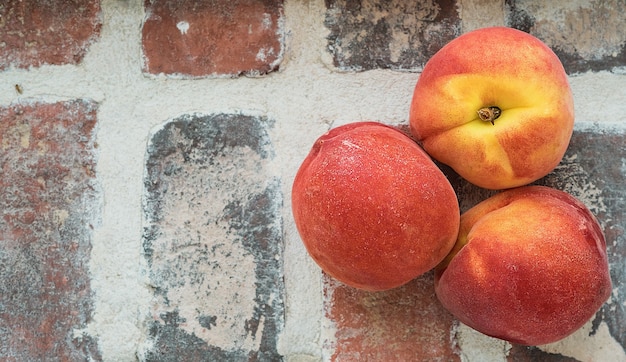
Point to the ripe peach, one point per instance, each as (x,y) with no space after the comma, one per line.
(495,105)
(529,266)
(372,208)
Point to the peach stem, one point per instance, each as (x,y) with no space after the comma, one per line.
(489,114)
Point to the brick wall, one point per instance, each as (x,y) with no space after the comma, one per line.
(147,151)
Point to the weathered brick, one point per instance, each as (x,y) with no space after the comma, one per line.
(35,32)
(48,205)
(402,324)
(586,35)
(225,37)
(519,353)
(213,240)
(382,34)
(593,170)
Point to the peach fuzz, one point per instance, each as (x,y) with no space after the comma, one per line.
(498,75)
(372,208)
(529,266)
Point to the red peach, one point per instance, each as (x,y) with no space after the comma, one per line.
(529,266)
(372,208)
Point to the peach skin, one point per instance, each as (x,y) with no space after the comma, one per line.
(495,105)
(529,266)
(372,208)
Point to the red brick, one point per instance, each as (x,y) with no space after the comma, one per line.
(227,37)
(46,200)
(383,34)
(36,32)
(403,324)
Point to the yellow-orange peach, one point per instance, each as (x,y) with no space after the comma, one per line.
(529,266)
(495,105)
(372,208)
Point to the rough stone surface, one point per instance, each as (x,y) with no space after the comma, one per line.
(396,34)
(395,325)
(227,37)
(594,171)
(587,35)
(213,240)
(48,203)
(36,32)
(478,14)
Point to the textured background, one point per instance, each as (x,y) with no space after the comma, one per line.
(147,155)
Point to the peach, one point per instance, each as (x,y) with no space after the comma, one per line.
(372,208)
(529,266)
(495,105)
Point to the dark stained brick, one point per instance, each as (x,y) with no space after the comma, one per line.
(533,354)
(36,32)
(382,34)
(585,35)
(213,240)
(594,171)
(402,324)
(48,206)
(203,38)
